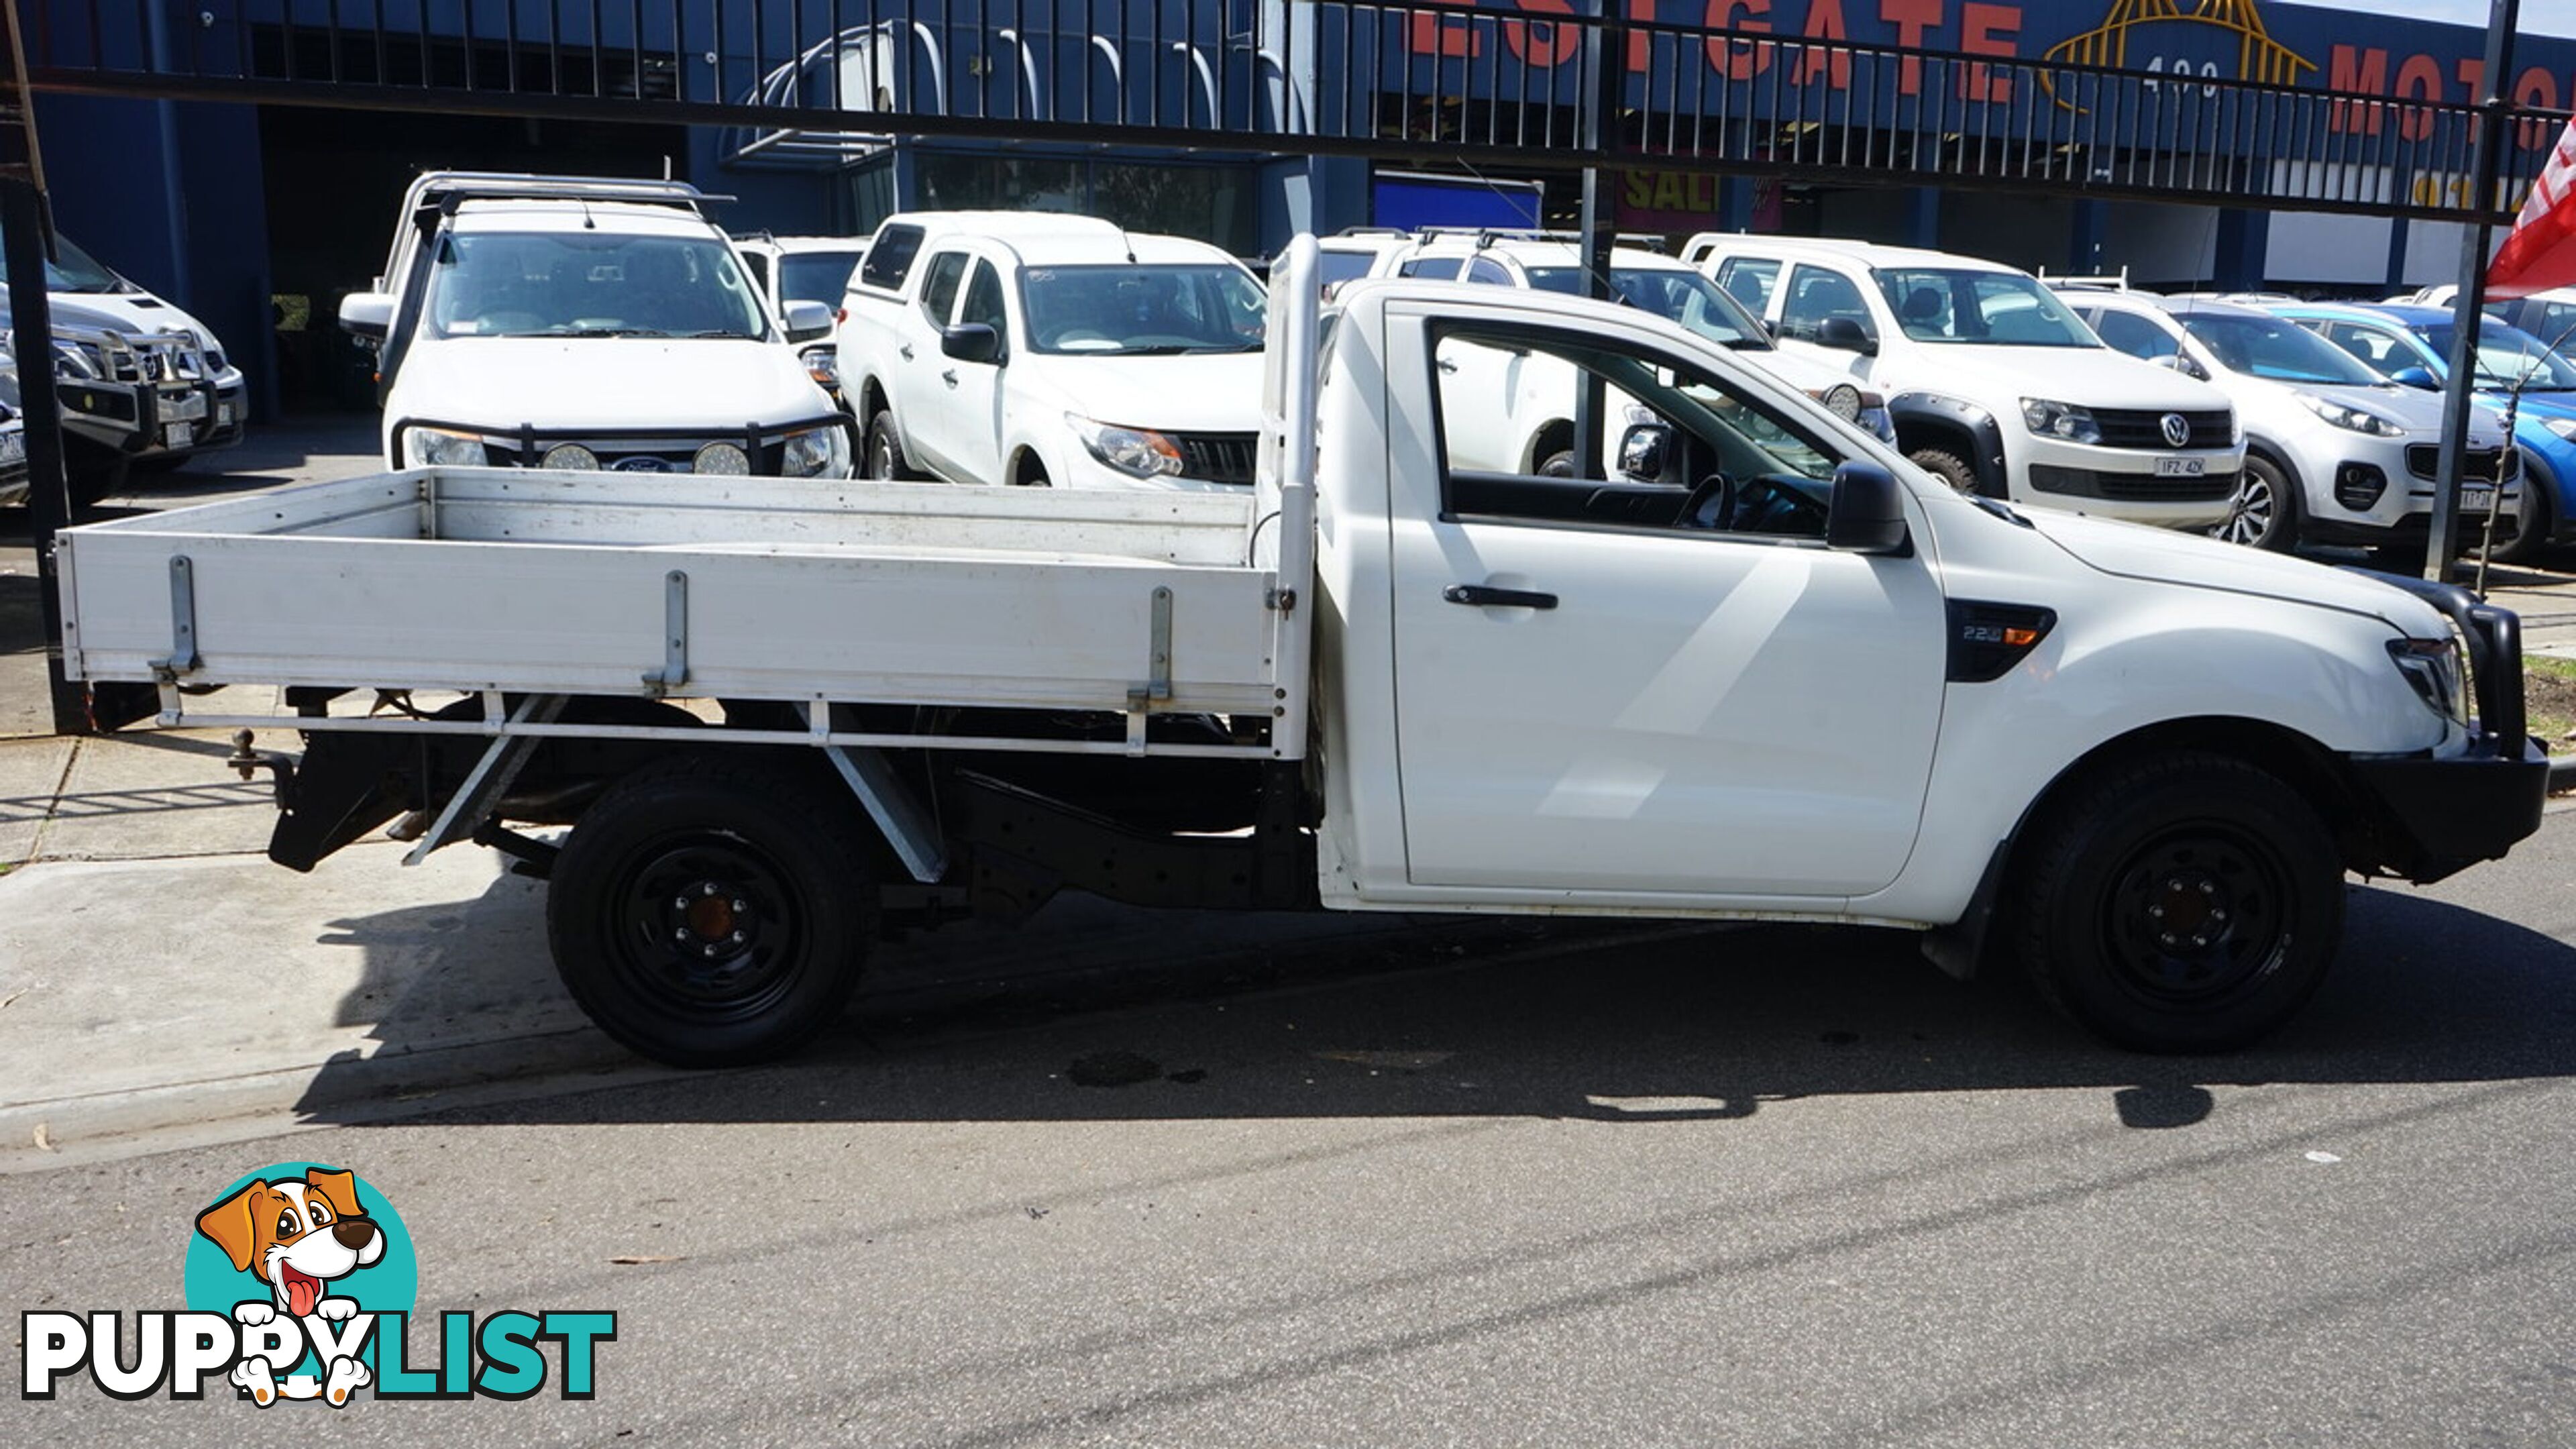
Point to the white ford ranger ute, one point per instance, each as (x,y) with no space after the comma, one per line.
(562,323)
(1812,684)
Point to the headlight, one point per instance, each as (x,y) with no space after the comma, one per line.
(2060,420)
(78,359)
(2355,420)
(721,458)
(1136,452)
(823,364)
(569,456)
(439,448)
(2565,428)
(1843,401)
(2432,666)
(816,453)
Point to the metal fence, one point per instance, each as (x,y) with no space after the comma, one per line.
(1525,85)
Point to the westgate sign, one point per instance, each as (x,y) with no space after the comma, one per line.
(2198,42)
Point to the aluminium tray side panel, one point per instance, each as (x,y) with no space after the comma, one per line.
(997,628)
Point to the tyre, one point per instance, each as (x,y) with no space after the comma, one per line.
(711,911)
(2539,521)
(1947,466)
(2265,511)
(2184,902)
(886,460)
(1559,464)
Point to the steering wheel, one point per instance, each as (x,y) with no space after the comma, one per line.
(1783,504)
(1717,489)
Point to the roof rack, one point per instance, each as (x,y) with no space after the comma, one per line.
(2101,283)
(1488,235)
(1372,231)
(450,187)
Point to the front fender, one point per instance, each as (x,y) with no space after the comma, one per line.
(1955,416)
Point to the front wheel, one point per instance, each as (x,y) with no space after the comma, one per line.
(1947,466)
(2265,511)
(886,460)
(711,912)
(2184,902)
(2539,520)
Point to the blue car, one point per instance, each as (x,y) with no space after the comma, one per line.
(2413,345)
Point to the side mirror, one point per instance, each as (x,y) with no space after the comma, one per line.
(1845,335)
(808,321)
(1772,326)
(2415,377)
(1645,450)
(2176,362)
(1868,512)
(366,314)
(971,342)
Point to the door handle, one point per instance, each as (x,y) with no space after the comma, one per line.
(1448,364)
(949,377)
(1481,597)
(906,351)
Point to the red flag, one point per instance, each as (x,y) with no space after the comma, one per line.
(2541,252)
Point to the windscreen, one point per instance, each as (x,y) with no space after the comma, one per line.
(587,284)
(1143,310)
(816,276)
(74,270)
(1688,298)
(2268,347)
(1995,309)
(2509,357)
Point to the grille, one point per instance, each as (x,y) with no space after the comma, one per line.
(2140,428)
(2424,460)
(1218,457)
(2131,487)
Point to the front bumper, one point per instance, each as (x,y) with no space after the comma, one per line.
(639,450)
(2124,483)
(147,419)
(2426,817)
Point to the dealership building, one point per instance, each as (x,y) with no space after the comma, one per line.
(258,213)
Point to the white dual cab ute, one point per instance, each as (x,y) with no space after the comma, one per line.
(1994,385)
(1812,685)
(574,323)
(1046,350)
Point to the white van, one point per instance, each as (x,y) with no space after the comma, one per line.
(1994,384)
(550,322)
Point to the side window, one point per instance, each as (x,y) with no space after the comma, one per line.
(2367,343)
(1488,271)
(2553,323)
(1437,269)
(984,299)
(1682,448)
(2135,335)
(1750,280)
(890,256)
(939,286)
(1817,296)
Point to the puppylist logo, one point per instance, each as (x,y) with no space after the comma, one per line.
(300,1284)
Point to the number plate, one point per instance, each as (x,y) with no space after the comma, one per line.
(178,435)
(2475,499)
(223,415)
(2180,467)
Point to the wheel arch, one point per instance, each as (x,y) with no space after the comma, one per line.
(1924,420)
(1554,436)
(2318,774)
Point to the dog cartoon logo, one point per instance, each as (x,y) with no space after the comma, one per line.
(298,1238)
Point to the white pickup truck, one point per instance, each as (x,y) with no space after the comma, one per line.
(1813,685)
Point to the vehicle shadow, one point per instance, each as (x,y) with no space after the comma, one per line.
(1608,1022)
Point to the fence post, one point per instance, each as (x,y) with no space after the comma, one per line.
(2441,544)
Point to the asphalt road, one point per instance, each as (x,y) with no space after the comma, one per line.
(1772,1186)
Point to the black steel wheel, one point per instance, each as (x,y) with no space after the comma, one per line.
(2181,903)
(712,912)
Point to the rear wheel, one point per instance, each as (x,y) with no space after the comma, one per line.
(2185,902)
(711,912)
(1947,466)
